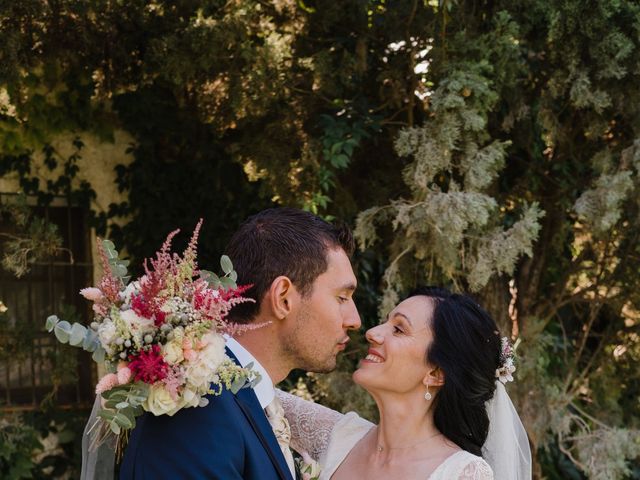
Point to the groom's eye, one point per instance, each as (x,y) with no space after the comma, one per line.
(343,299)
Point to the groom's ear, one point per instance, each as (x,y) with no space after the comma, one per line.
(281,297)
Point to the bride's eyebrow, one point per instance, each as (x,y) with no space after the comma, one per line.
(403,316)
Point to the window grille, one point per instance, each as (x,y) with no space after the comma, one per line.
(32,361)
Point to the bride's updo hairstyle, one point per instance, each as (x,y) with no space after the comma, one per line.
(466,347)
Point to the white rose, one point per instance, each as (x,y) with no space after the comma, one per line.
(172,352)
(199,375)
(135,323)
(160,402)
(213,353)
(107,334)
(190,398)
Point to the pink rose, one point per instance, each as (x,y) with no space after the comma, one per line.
(91,293)
(189,355)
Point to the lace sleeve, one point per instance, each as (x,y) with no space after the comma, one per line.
(476,469)
(311,424)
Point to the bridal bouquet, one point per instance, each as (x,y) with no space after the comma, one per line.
(160,336)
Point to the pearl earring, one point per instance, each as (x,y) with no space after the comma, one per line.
(427,396)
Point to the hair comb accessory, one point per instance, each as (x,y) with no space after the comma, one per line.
(504,372)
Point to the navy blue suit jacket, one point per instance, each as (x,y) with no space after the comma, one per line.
(229,439)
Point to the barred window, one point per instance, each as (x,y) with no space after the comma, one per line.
(33,365)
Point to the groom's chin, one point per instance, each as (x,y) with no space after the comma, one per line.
(327,366)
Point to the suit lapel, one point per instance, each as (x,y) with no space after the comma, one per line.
(250,406)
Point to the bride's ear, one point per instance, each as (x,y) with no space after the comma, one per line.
(434,377)
(281,297)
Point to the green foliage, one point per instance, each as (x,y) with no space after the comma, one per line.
(28,239)
(17,445)
(227,281)
(41,445)
(123,403)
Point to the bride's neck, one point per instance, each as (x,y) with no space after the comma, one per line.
(405,421)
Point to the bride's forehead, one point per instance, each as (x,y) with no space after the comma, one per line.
(416,307)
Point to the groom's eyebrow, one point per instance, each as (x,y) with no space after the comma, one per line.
(350,287)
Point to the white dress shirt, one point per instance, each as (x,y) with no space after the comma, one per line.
(264,389)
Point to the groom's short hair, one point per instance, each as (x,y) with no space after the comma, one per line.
(282,241)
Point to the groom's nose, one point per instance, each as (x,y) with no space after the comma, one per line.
(351,320)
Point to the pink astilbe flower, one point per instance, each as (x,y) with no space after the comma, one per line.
(149,366)
(190,253)
(173,382)
(233,329)
(106,383)
(109,285)
(92,293)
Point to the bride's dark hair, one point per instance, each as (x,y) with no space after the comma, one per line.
(466,347)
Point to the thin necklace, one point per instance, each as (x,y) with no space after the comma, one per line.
(381,448)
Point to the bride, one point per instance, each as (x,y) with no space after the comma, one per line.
(435,369)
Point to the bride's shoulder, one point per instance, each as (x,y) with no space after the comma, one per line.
(352,423)
(472,467)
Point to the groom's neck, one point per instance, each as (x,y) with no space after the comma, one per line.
(265,347)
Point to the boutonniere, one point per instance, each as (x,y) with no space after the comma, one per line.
(309,468)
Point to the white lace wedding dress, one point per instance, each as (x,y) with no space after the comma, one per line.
(328,436)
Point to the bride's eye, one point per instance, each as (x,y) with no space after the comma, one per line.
(397,329)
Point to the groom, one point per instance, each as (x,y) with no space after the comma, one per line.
(303,284)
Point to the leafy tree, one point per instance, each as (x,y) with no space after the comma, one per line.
(488,145)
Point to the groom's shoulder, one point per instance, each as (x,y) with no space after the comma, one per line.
(221,414)
(199,433)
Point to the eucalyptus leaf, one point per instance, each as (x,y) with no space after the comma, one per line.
(237,385)
(211,278)
(52,321)
(115,428)
(227,283)
(88,342)
(114,395)
(98,355)
(62,331)
(225,263)
(123,420)
(122,405)
(120,270)
(77,334)
(111,403)
(107,415)
(129,413)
